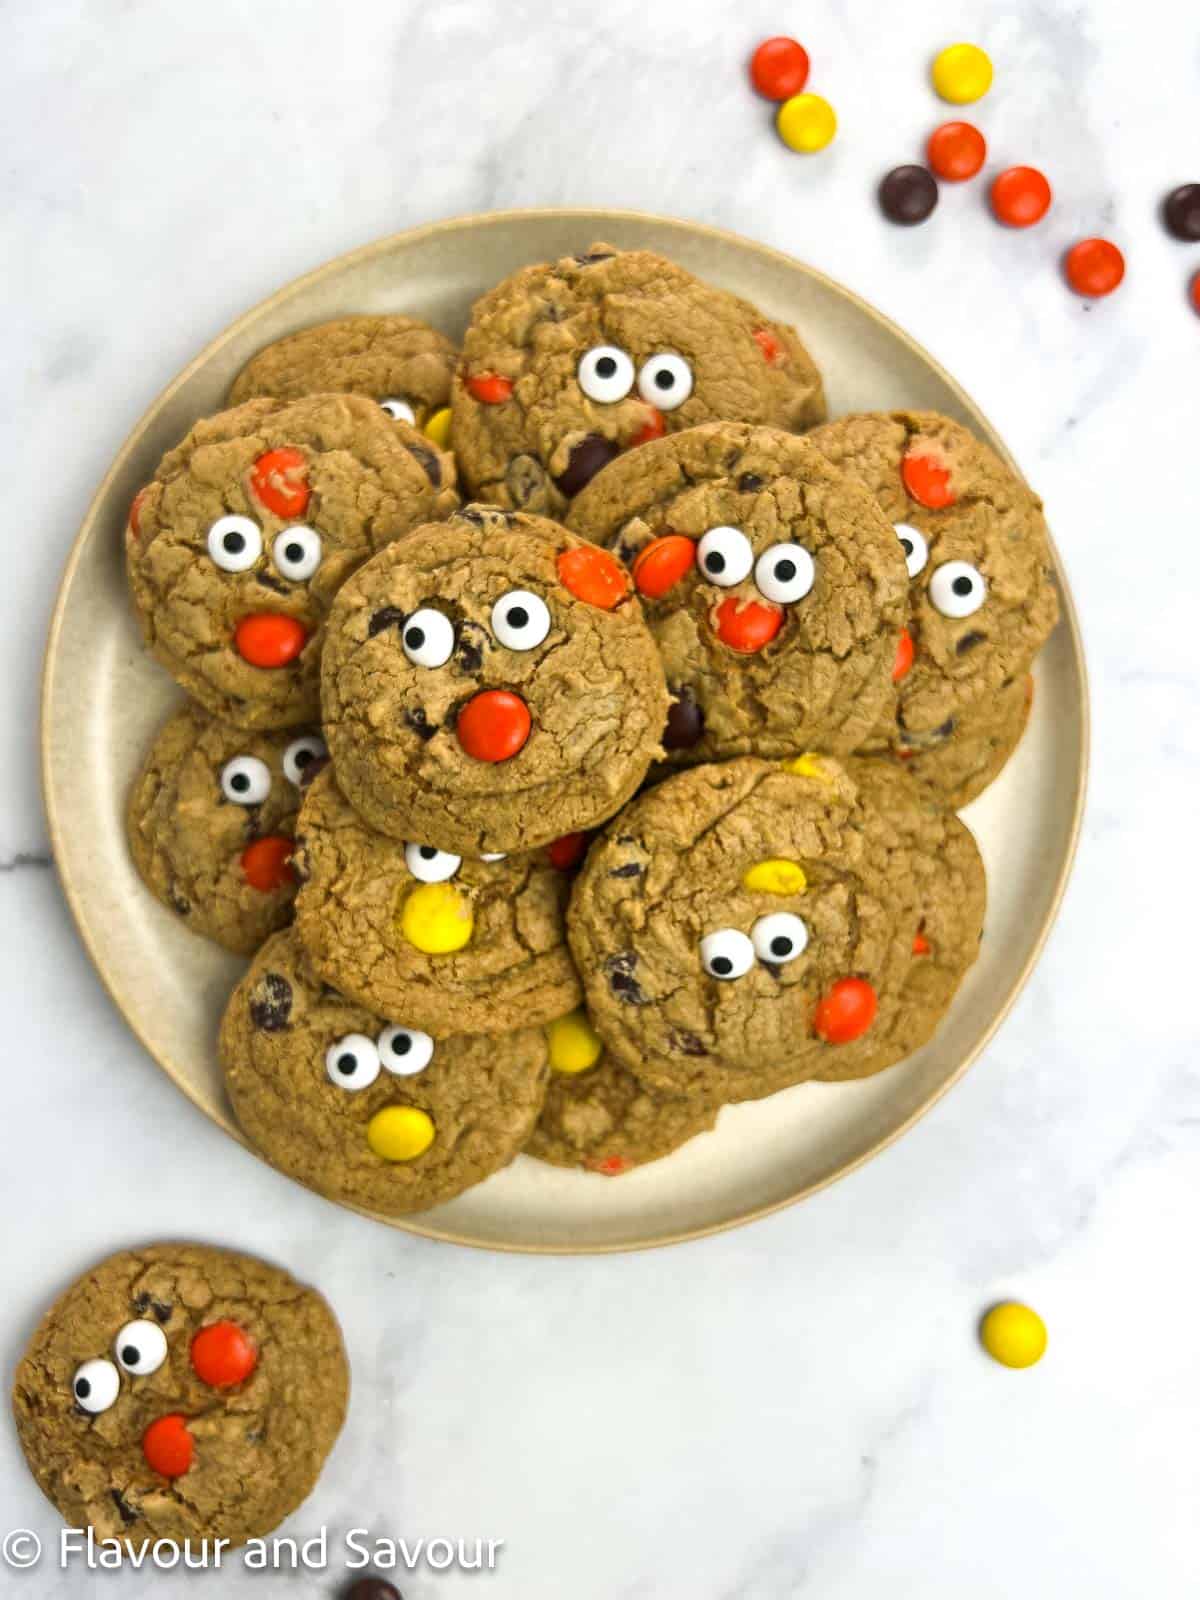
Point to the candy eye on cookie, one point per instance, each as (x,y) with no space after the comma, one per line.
(429,864)
(726,953)
(246,780)
(520,620)
(779,937)
(352,1062)
(605,374)
(300,756)
(398,408)
(915,547)
(404,1051)
(725,556)
(141,1348)
(428,638)
(785,573)
(957,589)
(296,553)
(665,380)
(96,1385)
(234,543)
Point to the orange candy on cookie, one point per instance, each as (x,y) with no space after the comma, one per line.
(745,625)
(593,576)
(494,725)
(168,1446)
(223,1355)
(279,481)
(927,481)
(268,639)
(267,862)
(846,1011)
(660,564)
(490,388)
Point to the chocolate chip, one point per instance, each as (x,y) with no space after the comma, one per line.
(474,515)
(428,459)
(908,195)
(688,1044)
(127,1513)
(585,461)
(946,729)
(161,1310)
(272,1003)
(685,721)
(621,980)
(469,650)
(268,580)
(372,1589)
(750,483)
(526,479)
(631,869)
(177,900)
(1181,212)
(593,256)
(385,617)
(419,723)
(968,642)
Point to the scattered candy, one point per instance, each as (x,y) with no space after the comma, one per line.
(775,876)
(400,1133)
(746,626)
(593,576)
(902,665)
(1094,267)
(437,919)
(494,725)
(779,68)
(806,122)
(574,1043)
(1014,1335)
(660,564)
(168,1446)
(927,481)
(908,195)
(956,151)
(268,639)
(438,428)
(962,73)
(279,481)
(223,1355)
(490,388)
(1020,197)
(267,862)
(846,1012)
(1181,212)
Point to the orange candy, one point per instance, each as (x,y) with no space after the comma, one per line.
(490,388)
(660,565)
(769,345)
(904,657)
(1020,197)
(779,68)
(593,576)
(654,427)
(921,945)
(223,1355)
(956,151)
(279,481)
(927,481)
(610,1166)
(846,1012)
(1094,267)
(568,851)
(267,639)
(745,625)
(1194,294)
(135,510)
(267,862)
(168,1446)
(494,725)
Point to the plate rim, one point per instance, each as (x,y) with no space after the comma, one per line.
(600,216)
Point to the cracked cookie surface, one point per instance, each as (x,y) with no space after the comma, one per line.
(957,761)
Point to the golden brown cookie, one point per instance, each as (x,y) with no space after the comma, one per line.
(568,363)
(239,543)
(957,761)
(181,1392)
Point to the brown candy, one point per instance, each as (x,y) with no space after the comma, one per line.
(1181,212)
(908,195)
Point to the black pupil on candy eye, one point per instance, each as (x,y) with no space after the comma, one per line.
(517,617)
(606,367)
(401,1044)
(962,585)
(303,757)
(664,379)
(714,561)
(785,571)
(346,1064)
(234,542)
(295,552)
(131,1355)
(721,965)
(240,782)
(415,638)
(83,1388)
(428,852)
(781,945)
(907,546)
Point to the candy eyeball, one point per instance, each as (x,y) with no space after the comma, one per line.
(957,589)
(296,553)
(665,381)
(913,543)
(141,1348)
(301,754)
(726,954)
(494,855)
(725,556)
(398,408)
(520,619)
(428,638)
(405,1051)
(605,374)
(429,864)
(246,781)
(234,543)
(784,573)
(96,1385)
(352,1062)
(779,938)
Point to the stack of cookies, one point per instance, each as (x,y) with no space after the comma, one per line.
(559,819)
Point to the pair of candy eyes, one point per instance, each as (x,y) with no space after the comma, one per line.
(431,865)
(956,588)
(729,953)
(235,543)
(140,1349)
(606,374)
(354,1061)
(785,573)
(520,621)
(246,780)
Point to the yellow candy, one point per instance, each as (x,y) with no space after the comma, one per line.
(806,766)
(400,1133)
(437,919)
(776,877)
(438,428)
(806,122)
(962,73)
(1014,1335)
(574,1043)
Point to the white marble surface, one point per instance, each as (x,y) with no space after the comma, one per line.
(800,1407)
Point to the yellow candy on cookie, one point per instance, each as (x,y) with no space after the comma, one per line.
(400,1133)
(574,1043)
(807,765)
(437,919)
(775,876)
(438,428)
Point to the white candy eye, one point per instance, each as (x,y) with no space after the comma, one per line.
(916,551)
(301,754)
(520,619)
(605,374)
(725,556)
(352,1062)
(665,381)
(297,552)
(726,954)
(957,589)
(234,543)
(431,865)
(398,408)
(246,781)
(141,1348)
(494,855)
(96,1385)
(428,638)
(405,1051)
(784,573)
(778,938)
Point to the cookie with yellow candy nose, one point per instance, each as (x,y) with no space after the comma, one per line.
(452,943)
(366,1108)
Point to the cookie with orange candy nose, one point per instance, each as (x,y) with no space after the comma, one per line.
(237,546)
(775,589)
(181,1392)
(490,684)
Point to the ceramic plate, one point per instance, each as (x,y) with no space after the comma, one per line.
(103,699)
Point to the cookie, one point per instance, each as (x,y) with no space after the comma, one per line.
(181,1392)
(366,1109)
(957,761)
(489,684)
(449,943)
(981,591)
(238,545)
(402,364)
(211,820)
(568,363)
(775,589)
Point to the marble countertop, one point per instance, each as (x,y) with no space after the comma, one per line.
(799,1407)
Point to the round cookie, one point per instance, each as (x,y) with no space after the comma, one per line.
(957,761)
(490,684)
(775,590)
(568,363)
(211,820)
(981,591)
(365,1109)
(397,361)
(449,943)
(237,546)
(181,1392)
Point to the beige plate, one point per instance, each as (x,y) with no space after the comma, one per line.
(103,699)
